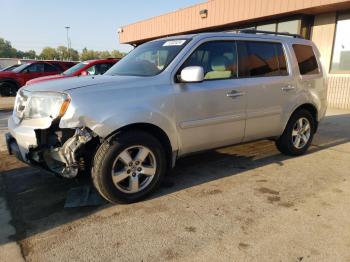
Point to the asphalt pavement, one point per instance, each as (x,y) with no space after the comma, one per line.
(240,203)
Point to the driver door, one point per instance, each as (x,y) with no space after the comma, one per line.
(212,113)
(33,71)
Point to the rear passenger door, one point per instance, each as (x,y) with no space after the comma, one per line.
(268,85)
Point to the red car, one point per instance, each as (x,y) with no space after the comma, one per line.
(90,67)
(11,81)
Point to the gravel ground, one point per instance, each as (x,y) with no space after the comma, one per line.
(241,203)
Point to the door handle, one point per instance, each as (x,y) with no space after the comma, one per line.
(234,94)
(288,88)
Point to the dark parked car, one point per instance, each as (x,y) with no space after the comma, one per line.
(90,67)
(11,81)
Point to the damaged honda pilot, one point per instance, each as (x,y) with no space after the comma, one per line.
(166,99)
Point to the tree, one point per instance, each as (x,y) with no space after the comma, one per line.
(104,54)
(31,54)
(59,53)
(74,54)
(49,53)
(88,54)
(6,49)
(63,53)
(117,54)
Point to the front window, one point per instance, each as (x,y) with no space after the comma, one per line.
(20,68)
(149,59)
(218,60)
(341,49)
(74,69)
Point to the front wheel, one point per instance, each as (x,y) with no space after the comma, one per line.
(128,167)
(298,135)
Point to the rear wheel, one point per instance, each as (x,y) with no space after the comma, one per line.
(8,89)
(128,167)
(298,135)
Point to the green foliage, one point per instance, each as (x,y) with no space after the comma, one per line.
(87,54)
(59,53)
(63,53)
(49,53)
(6,49)
(117,54)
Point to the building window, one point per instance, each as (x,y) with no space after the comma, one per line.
(341,49)
(290,27)
(298,25)
(267,27)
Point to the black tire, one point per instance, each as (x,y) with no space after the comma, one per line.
(285,142)
(108,152)
(8,89)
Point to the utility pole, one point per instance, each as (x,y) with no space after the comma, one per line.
(68,42)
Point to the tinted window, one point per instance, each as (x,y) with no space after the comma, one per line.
(35,68)
(50,68)
(218,59)
(98,69)
(261,59)
(306,59)
(58,67)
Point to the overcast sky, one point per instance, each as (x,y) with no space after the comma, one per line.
(34,24)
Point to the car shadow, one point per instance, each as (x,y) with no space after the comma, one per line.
(36,199)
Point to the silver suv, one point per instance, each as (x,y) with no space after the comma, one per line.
(166,99)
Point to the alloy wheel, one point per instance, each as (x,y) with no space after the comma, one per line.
(134,169)
(301,133)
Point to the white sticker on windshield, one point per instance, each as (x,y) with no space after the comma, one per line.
(174,43)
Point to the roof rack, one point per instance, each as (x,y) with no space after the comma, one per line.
(252,31)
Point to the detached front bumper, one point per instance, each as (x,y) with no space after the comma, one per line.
(12,146)
(60,151)
(20,139)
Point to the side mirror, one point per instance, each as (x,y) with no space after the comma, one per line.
(192,74)
(84,73)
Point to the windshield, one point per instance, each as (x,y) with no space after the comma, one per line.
(148,59)
(74,69)
(21,67)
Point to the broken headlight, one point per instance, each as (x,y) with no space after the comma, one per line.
(46,104)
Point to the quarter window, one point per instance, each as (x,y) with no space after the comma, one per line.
(218,59)
(306,59)
(261,59)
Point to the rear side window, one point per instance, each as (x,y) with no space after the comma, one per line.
(261,59)
(50,68)
(306,59)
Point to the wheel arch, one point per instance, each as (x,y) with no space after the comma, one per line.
(10,80)
(155,131)
(309,107)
